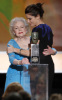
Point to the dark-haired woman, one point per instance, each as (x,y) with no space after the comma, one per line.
(34,14)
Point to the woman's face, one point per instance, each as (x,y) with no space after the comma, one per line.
(19,29)
(32,20)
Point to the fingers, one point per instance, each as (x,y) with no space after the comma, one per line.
(10,45)
(45,49)
(45,53)
(25,61)
(10,48)
(48,46)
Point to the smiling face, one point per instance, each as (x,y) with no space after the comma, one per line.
(19,29)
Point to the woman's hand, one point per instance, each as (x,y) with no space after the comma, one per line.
(21,62)
(48,51)
(10,49)
(25,61)
(38,42)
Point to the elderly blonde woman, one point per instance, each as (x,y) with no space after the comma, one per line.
(18,30)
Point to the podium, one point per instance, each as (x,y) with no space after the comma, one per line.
(36,74)
(36,81)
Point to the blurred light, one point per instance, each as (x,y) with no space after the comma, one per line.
(4,62)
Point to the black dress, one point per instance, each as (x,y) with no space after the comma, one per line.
(46,38)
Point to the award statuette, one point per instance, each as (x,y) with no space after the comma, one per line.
(35,76)
(34,48)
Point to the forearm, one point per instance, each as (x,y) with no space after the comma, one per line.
(11,49)
(16,50)
(17,62)
(21,62)
(22,52)
(25,52)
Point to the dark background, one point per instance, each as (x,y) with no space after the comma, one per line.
(57,83)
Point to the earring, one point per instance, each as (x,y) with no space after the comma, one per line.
(13,33)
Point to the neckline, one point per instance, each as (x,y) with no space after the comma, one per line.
(19,46)
(40,24)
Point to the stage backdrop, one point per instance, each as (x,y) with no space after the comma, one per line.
(15,8)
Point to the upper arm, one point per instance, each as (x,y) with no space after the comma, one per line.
(51,38)
(11,55)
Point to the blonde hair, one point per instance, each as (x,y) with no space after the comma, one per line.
(13,21)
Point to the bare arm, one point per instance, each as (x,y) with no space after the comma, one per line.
(11,49)
(49,51)
(21,62)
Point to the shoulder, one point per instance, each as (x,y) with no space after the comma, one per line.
(48,27)
(42,26)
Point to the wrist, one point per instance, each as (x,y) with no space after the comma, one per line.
(54,52)
(19,62)
(20,51)
(14,49)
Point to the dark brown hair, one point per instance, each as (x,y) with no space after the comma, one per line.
(13,96)
(13,87)
(25,95)
(35,9)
